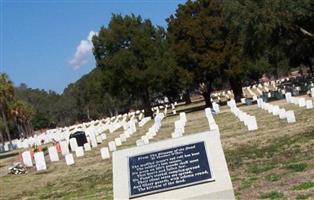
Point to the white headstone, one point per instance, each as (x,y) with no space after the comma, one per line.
(79,152)
(301,102)
(53,154)
(118,142)
(64,148)
(176,134)
(251,123)
(282,113)
(123,137)
(27,159)
(275,110)
(288,97)
(309,104)
(87,147)
(112,146)
(6,147)
(139,142)
(103,136)
(99,139)
(105,153)
(312,92)
(73,144)
(290,116)
(40,161)
(216,107)
(145,139)
(243,100)
(69,159)
(93,139)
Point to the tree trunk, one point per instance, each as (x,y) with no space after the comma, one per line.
(25,130)
(147,107)
(206,91)
(29,128)
(186,97)
(87,112)
(4,118)
(1,138)
(20,130)
(206,96)
(236,86)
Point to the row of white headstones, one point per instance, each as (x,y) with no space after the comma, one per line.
(179,125)
(152,131)
(110,123)
(300,101)
(93,140)
(281,112)
(277,111)
(248,120)
(59,134)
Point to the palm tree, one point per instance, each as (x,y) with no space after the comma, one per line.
(22,113)
(6,95)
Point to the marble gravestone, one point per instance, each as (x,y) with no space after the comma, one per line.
(105,153)
(64,148)
(73,144)
(87,147)
(53,154)
(79,152)
(40,161)
(189,167)
(69,159)
(27,159)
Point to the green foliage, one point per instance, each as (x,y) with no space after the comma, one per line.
(198,40)
(209,44)
(272,195)
(302,196)
(272,177)
(304,186)
(133,56)
(247,183)
(260,168)
(297,167)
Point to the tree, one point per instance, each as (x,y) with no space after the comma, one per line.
(22,114)
(131,53)
(199,39)
(6,95)
(274,32)
(1,132)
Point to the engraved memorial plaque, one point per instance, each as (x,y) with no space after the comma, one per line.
(169,169)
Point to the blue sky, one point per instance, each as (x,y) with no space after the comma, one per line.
(45,43)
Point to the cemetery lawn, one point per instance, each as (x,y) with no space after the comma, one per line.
(274,162)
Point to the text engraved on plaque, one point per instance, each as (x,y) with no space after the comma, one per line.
(168,169)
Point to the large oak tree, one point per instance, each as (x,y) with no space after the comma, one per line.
(133,56)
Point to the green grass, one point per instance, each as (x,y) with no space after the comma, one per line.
(281,146)
(272,195)
(297,167)
(272,177)
(304,186)
(256,161)
(302,196)
(260,168)
(248,183)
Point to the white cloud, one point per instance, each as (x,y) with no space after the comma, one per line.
(83,52)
